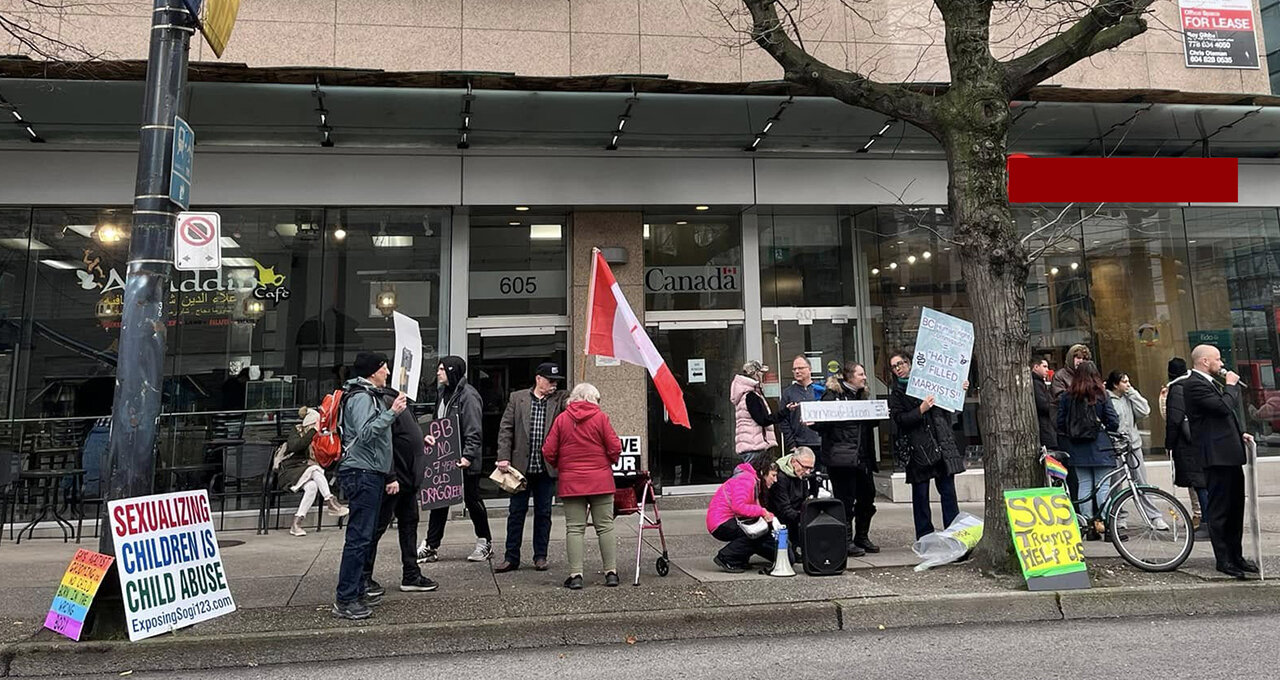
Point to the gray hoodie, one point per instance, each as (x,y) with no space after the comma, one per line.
(366,428)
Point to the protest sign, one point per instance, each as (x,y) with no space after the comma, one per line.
(1046,537)
(171,572)
(830,411)
(442,480)
(75,593)
(628,464)
(940,365)
(407,362)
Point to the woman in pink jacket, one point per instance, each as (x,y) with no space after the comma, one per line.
(742,497)
(583,447)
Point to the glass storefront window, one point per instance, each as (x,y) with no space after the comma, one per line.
(518,264)
(15,227)
(692,263)
(806,261)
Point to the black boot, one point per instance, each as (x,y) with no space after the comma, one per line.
(866,544)
(855,550)
(862,526)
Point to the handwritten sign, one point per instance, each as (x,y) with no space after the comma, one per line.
(76,591)
(442,480)
(171,572)
(940,366)
(1046,537)
(854,409)
(628,464)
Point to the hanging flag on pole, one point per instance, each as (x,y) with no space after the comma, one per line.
(216,18)
(613,331)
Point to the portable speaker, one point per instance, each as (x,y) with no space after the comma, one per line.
(826,537)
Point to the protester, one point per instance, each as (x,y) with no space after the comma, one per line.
(1045,411)
(525,422)
(753,424)
(1085,416)
(1188,469)
(366,462)
(795,433)
(788,494)
(298,470)
(925,445)
(583,446)
(460,400)
(408,462)
(1130,407)
(742,497)
(849,455)
(1218,437)
(1063,377)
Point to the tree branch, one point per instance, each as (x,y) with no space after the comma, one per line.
(1109,24)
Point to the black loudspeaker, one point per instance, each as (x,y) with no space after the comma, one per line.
(825,535)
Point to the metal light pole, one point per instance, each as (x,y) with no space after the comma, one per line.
(129,469)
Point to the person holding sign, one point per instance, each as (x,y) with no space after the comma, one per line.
(1085,416)
(849,455)
(925,445)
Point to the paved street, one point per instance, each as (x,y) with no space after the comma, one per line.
(1189,647)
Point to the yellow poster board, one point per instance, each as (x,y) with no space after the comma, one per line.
(217,19)
(1046,537)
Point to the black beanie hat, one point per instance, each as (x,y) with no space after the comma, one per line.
(455,368)
(1177,368)
(367,363)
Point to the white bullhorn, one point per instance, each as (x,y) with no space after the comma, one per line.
(782,562)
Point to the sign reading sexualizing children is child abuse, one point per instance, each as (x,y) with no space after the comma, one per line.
(940,365)
(171,572)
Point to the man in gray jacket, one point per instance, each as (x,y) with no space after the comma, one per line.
(524,427)
(363,472)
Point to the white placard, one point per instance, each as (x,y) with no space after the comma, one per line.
(516,285)
(628,464)
(171,572)
(697,371)
(940,364)
(197,241)
(607,361)
(406,365)
(854,409)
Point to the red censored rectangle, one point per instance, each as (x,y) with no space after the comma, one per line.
(1123,180)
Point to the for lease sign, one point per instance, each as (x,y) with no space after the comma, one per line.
(171,572)
(1219,33)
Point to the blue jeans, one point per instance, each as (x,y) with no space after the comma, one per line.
(920,504)
(749,457)
(364,490)
(541,487)
(1089,481)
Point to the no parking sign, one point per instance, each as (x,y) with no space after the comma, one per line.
(196,241)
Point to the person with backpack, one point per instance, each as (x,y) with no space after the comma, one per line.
(1085,416)
(363,472)
(297,470)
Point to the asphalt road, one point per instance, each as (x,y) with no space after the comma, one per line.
(1192,647)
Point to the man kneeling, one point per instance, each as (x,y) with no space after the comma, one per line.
(787,496)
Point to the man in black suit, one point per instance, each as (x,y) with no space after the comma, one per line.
(1046,411)
(1219,441)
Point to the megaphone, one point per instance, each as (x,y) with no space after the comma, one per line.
(782,562)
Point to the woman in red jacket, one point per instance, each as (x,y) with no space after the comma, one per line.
(583,447)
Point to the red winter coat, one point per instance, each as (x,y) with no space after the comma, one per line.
(583,447)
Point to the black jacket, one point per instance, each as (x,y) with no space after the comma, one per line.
(1188,470)
(1215,429)
(924,443)
(464,402)
(786,500)
(408,456)
(1045,414)
(846,444)
(794,431)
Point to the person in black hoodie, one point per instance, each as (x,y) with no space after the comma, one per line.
(408,464)
(849,455)
(459,399)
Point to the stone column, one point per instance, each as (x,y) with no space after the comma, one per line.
(624,388)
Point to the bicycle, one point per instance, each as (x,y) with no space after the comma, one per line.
(1148,545)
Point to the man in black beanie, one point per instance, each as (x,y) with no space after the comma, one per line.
(363,473)
(460,400)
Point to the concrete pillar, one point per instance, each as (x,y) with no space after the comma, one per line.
(624,388)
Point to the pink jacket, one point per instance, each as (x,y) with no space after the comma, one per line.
(735,498)
(748,435)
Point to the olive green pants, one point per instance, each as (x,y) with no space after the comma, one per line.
(575,522)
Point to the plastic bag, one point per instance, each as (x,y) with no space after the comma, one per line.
(950,544)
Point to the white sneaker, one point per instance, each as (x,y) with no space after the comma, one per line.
(482,551)
(1160,524)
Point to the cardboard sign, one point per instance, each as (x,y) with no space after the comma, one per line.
(940,365)
(856,409)
(407,362)
(628,464)
(1047,539)
(171,572)
(76,591)
(442,480)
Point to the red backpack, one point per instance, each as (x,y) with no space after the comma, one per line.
(326,446)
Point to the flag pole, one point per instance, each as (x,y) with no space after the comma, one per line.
(586,335)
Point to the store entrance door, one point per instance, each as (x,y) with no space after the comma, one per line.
(827,336)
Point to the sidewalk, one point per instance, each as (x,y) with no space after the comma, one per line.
(283,587)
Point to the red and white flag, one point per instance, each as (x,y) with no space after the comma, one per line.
(613,331)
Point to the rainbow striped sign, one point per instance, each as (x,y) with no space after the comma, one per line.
(75,593)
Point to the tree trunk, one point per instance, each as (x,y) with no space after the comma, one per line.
(995,274)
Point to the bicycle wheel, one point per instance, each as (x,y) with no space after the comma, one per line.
(1144,543)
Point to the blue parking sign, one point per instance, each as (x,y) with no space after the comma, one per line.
(184,147)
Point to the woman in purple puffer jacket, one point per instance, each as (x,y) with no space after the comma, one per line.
(742,497)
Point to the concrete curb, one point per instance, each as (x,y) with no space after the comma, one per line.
(191,651)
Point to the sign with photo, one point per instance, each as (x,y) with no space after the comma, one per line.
(407,362)
(940,365)
(1219,34)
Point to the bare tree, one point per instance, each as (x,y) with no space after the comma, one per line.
(33,27)
(971,119)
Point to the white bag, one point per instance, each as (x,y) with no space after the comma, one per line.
(950,544)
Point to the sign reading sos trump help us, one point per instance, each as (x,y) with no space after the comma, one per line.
(171,572)
(1046,537)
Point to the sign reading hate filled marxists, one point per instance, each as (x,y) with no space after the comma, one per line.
(171,573)
(940,364)
(1219,34)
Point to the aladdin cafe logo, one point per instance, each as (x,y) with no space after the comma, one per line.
(692,279)
(266,285)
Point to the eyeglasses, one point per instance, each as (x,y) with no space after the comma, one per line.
(897,364)
(804,466)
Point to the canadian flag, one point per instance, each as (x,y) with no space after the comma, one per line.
(613,331)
